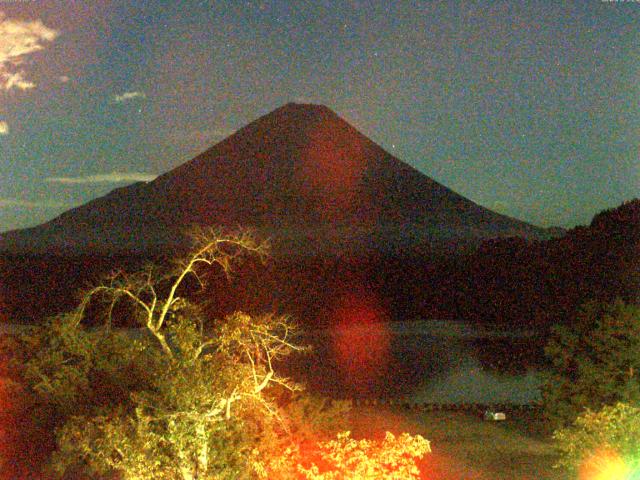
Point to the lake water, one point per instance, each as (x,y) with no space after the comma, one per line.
(421,362)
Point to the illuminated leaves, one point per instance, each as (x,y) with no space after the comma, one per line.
(173,399)
(603,444)
(345,458)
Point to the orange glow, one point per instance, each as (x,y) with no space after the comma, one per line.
(605,464)
(5,409)
(360,340)
(16,449)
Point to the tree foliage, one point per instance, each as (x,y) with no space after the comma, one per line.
(180,397)
(393,458)
(602,444)
(593,362)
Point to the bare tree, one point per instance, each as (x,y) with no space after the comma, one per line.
(193,370)
(142,289)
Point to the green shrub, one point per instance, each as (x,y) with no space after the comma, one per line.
(594,361)
(188,397)
(603,444)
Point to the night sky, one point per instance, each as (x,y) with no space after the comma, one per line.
(529,108)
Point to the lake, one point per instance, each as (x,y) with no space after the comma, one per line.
(422,362)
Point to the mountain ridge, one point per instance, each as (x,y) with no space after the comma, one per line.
(300,174)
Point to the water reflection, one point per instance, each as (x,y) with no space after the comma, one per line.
(431,362)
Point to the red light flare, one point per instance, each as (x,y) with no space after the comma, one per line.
(360,339)
(22,446)
(331,167)
(7,450)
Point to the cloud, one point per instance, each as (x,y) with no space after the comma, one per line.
(14,202)
(128,96)
(4,128)
(17,39)
(114,177)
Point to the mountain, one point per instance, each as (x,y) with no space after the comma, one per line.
(300,175)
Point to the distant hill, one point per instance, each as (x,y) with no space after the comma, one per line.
(300,175)
(541,283)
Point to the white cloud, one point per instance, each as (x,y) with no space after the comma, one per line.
(17,39)
(128,96)
(4,128)
(114,177)
(14,202)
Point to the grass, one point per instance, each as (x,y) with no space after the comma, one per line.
(464,446)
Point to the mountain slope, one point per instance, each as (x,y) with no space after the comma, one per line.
(299,174)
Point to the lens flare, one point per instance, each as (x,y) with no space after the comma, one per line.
(607,464)
(331,166)
(5,419)
(19,450)
(361,341)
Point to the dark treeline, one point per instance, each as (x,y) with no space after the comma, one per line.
(537,284)
(511,281)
